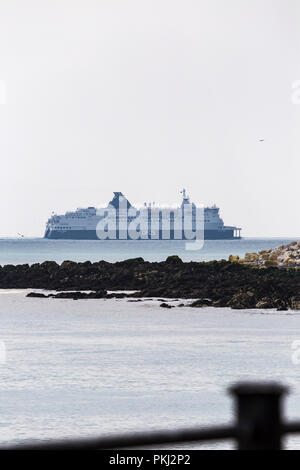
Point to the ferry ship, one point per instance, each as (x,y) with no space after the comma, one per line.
(84,223)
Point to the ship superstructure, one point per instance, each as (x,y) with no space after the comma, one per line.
(131,223)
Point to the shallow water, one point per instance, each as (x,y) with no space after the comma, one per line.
(88,367)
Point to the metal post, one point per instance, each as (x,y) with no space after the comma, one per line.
(259,419)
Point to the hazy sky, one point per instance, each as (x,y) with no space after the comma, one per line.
(147,97)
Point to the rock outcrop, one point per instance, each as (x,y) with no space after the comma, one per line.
(235,283)
(284,256)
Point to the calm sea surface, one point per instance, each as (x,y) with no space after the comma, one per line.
(102,366)
(34,250)
(88,367)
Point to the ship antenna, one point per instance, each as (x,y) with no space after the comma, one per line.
(185,198)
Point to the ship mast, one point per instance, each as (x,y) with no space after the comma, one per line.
(185,198)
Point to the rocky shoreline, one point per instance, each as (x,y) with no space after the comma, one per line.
(218,283)
(283,256)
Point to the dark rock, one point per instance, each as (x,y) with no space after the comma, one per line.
(80,295)
(265,303)
(37,294)
(117,295)
(174,259)
(49,266)
(68,264)
(295,302)
(70,295)
(164,305)
(243,300)
(99,294)
(282,307)
(201,303)
(131,262)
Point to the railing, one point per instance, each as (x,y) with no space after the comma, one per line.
(258,426)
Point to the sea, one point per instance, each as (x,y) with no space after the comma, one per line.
(109,366)
(37,250)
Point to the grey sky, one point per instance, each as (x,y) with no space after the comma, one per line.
(147,97)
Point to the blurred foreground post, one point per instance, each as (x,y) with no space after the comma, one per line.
(259,417)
